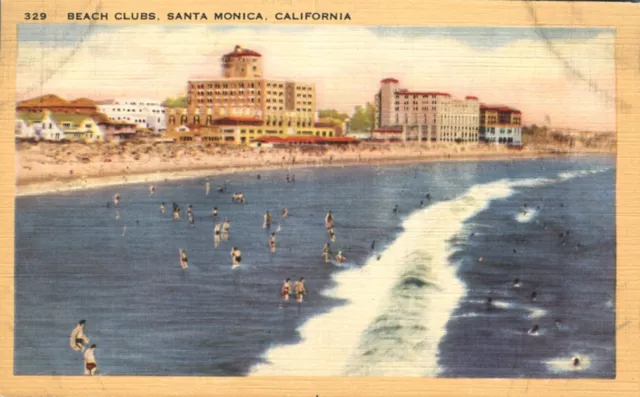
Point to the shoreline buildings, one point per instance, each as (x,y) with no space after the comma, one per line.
(146,114)
(423,116)
(243,105)
(500,124)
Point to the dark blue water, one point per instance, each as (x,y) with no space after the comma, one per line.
(150,317)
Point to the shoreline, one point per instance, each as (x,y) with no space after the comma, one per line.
(39,186)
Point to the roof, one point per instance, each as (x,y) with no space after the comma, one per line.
(475,98)
(386,131)
(324,124)
(499,108)
(389,80)
(238,121)
(242,52)
(75,119)
(407,92)
(105,102)
(83,102)
(48,100)
(306,139)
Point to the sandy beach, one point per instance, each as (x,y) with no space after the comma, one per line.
(47,168)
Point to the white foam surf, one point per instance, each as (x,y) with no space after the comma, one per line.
(397,306)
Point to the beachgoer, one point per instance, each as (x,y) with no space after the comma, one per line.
(325,253)
(395,209)
(373,245)
(272,242)
(285,212)
(340,258)
(90,364)
(152,189)
(534,295)
(534,330)
(332,234)
(267,220)
(207,187)
(328,220)
(192,219)
(117,214)
(286,290)
(214,213)
(78,339)
(300,290)
(576,362)
(516,283)
(236,257)
(225,226)
(162,208)
(184,261)
(258,176)
(428,196)
(421,203)
(116,198)
(489,302)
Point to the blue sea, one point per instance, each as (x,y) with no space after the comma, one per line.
(428,290)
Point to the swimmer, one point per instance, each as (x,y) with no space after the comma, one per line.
(480,259)
(267,220)
(421,203)
(192,219)
(395,209)
(90,364)
(272,242)
(152,189)
(557,323)
(332,234)
(516,283)
(286,290)
(489,303)
(207,187)
(184,261)
(116,198)
(225,229)
(78,339)
(300,290)
(214,213)
(534,330)
(373,245)
(428,196)
(534,296)
(258,176)
(162,208)
(576,362)
(340,258)
(117,214)
(325,253)
(328,220)
(216,229)
(285,212)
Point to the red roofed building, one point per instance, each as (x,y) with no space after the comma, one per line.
(425,115)
(55,104)
(500,124)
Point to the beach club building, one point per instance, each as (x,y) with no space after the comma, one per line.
(55,104)
(144,113)
(500,124)
(424,116)
(244,105)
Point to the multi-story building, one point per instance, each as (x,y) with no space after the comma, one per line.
(425,116)
(500,124)
(146,114)
(243,95)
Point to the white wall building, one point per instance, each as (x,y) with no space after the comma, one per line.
(150,114)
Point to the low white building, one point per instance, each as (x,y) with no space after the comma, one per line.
(149,114)
(38,125)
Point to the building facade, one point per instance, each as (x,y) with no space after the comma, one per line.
(243,94)
(500,124)
(424,115)
(146,114)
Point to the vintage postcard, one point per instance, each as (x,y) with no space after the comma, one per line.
(292,199)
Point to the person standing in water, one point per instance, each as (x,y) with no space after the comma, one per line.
(225,229)
(328,220)
(332,234)
(90,364)
(117,214)
(285,291)
(216,235)
(78,339)
(162,209)
(184,262)
(267,220)
(116,198)
(285,212)
(272,242)
(207,187)
(236,257)
(340,258)
(300,290)
(152,190)
(325,253)
(192,219)
(214,213)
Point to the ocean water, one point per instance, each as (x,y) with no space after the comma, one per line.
(414,305)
